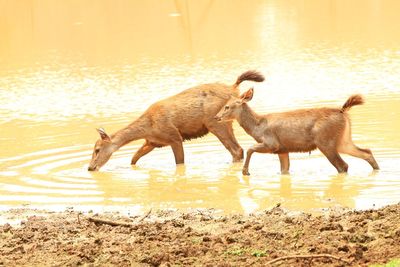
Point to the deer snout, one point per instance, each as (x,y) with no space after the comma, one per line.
(92,169)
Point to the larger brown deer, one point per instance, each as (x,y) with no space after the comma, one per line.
(304,130)
(169,122)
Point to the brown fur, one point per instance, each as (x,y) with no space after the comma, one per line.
(303,130)
(168,122)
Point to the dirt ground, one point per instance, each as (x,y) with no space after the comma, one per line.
(200,238)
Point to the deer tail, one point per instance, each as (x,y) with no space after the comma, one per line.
(352,101)
(250,75)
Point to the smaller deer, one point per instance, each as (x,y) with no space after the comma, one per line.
(303,130)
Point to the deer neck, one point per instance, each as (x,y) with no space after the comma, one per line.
(134,131)
(248,119)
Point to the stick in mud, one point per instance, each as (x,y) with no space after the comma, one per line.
(306,257)
(114,223)
(108,222)
(145,216)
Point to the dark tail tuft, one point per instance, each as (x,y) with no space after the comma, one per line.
(352,101)
(250,75)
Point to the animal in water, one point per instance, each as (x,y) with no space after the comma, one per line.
(303,130)
(169,122)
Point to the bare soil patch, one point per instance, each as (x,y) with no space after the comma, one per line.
(201,238)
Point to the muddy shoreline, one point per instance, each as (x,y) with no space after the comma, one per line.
(200,238)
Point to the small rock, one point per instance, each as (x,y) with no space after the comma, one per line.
(247,225)
(6,228)
(217,240)
(224,219)
(247,242)
(206,239)
(176,223)
(230,239)
(205,218)
(343,248)
(312,249)
(234,231)
(358,254)
(331,227)
(274,235)
(351,230)
(257,227)
(288,220)
(397,232)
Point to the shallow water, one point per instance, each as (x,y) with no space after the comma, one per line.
(70,67)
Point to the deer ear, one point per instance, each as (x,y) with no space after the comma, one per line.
(247,96)
(103,134)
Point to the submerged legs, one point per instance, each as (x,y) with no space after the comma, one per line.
(143,150)
(285,163)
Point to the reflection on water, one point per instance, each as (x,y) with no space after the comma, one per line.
(66,68)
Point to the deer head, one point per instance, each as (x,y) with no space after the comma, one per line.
(102,151)
(232,108)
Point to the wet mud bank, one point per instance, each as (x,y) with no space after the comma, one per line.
(274,237)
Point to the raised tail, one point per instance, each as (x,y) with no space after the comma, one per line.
(352,101)
(250,75)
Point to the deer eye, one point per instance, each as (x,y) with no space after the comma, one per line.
(97,150)
(226,107)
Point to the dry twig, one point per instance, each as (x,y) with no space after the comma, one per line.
(114,223)
(145,216)
(306,257)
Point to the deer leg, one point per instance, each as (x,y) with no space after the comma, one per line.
(260,148)
(347,146)
(334,158)
(177,148)
(371,160)
(285,163)
(146,148)
(224,132)
(364,154)
(170,135)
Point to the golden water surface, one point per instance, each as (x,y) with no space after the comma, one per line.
(67,67)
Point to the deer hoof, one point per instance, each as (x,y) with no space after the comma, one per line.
(245,172)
